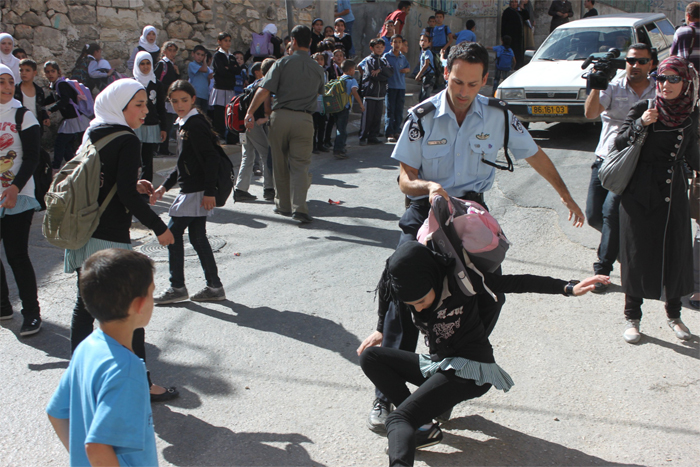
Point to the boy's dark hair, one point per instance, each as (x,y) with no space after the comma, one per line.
(396,36)
(28,62)
(693,10)
(347,65)
(209,55)
(289,39)
(592,2)
(431,17)
(403,4)
(53,64)
(302,34)
(376,41)
(322,46)
(199,47)
(256,67)
(313,23)
(389,21)
(238,52)
(111,279)
(506,40)
(18,50)
(167,44)
(223,35)
(440,12)
(426,35)
(470,52)
(266,65)
(182,85)
(470,24)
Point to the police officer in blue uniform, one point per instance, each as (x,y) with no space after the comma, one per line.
(448,147)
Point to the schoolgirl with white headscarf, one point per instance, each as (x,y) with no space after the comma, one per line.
(153,131)
(19,156)
(8,59)
(120,165)
(145,46)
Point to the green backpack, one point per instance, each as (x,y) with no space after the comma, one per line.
(335,96)
(72,211)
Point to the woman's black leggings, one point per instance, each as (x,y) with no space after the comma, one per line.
(633,307)
(390,370)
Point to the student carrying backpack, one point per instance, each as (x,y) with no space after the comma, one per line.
(335,95)
(237,108)
(505,60)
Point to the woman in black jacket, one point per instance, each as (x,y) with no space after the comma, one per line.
(461,364)
(196,172)
(656,259)
(153,131)
(120,108)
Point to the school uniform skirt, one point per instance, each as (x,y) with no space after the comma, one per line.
(221,97)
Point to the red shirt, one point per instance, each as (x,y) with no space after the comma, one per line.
(397,15)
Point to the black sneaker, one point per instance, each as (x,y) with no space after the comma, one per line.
(363,142)
(429,437)
(6,313)
(240,196)
(30,326)
(269,194)
(374,141)
(377,416)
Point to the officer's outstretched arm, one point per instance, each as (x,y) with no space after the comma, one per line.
(544,166)
(412,185)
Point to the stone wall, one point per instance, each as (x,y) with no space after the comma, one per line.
(58,29)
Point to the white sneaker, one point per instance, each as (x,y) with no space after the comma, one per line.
(632,334)
(172,295)
(681,330)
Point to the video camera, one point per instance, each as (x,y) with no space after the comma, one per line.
(605,66)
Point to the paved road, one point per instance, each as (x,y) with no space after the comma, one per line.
(270,377)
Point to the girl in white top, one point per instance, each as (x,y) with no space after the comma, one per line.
(7,43)
(19,156)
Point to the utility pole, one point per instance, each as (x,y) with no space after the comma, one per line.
(290,17)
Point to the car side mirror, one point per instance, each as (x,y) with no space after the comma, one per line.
(529,53)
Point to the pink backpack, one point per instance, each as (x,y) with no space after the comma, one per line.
(465,231)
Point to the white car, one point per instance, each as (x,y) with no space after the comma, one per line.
(551,88)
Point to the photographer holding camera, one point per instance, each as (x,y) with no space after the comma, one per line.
(613,104)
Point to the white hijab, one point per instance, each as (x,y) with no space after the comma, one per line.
(270,28)
(142,78)
(143,42)
(12,103)
(10,60)
(111,102)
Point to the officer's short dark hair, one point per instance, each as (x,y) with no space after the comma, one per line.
(302,34)
(470,52)
(111,279)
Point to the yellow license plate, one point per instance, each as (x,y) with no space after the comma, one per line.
(549,109)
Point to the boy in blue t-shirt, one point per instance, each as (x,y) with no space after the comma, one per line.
(389,28)
(505,61)
(198,71)
(426,75)
(442,39)
(396,89)
(468,34)
(101,410)
(341,118)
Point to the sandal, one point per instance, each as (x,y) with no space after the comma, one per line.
(169,394)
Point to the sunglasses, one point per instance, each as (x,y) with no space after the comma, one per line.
(641,61)
(673,79)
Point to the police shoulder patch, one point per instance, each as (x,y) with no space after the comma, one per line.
(517,126)
(414,131)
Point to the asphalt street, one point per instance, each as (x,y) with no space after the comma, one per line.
(270,377)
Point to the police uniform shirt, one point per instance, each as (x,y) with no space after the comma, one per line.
(451,155)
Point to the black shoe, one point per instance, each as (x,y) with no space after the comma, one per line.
(377,416)
(257,171)
(6,313)
(169,394)
(443,417)
(373,141)
(281,213)
(327,145)
(269,194)
(600,287)
(240,196)
(315,151)
(322,149)
(363,142)
(30,326)
(429,437)
(302,217)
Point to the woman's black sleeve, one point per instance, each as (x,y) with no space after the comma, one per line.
(632,126)
(692,152)
(128,166)
(31,144)
(519,283)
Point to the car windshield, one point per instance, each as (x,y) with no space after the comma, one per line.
(579,43)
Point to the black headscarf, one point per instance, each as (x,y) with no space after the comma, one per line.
(411,272)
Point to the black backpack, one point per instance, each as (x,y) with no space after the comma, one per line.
(43,175)
(225,176)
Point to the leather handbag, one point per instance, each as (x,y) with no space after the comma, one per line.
(695,197)
(616,170)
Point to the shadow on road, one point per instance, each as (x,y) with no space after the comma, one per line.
(196,442)
(689,348)
(505,447)
(309,329)
(560,136)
